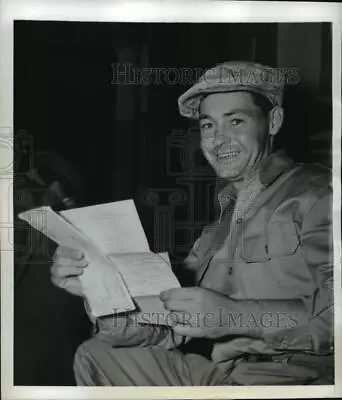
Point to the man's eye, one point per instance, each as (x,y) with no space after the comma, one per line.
(207,125)
(236,121)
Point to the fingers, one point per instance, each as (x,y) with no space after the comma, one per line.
(68,261)
(179,305)
(180,293)
(68,265)
(70,284)
(63,271)
(65,261)
(180,299)
(68,252)
(186,330)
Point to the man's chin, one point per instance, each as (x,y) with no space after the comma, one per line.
(233,176)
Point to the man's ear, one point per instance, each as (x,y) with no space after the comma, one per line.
(275,120)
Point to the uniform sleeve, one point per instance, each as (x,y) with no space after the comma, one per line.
(314,331)
(125,331)
(192,261)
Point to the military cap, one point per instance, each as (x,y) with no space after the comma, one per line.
(232,76)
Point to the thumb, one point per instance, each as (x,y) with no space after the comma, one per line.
(186,330)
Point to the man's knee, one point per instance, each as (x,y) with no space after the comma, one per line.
(87,361)
(86,348)
(97,363)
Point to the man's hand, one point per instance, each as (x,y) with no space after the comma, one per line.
(199,312)
(68,264)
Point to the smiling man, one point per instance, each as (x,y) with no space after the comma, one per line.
(262,294)
(235,133)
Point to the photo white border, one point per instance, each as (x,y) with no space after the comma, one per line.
(157,11)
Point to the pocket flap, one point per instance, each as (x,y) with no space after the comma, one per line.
(282,239)
(254,249)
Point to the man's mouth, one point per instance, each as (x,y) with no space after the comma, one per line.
(228,155)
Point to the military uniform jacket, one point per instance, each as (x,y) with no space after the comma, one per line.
(276,246)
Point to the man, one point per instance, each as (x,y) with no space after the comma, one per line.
(262,294)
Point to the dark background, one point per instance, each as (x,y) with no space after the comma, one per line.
(106,142)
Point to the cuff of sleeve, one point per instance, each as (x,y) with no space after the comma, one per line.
(89,313)
(290,339)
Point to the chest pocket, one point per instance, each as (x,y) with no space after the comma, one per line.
(279,239)
(282,239)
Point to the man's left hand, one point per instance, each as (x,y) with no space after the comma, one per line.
(198,312)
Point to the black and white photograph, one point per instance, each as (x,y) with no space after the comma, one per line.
(171,214)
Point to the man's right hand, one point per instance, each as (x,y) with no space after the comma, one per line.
(68,264)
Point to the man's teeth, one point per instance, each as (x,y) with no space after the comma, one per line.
(229,155)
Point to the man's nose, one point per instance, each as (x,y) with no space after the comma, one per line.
(223,135)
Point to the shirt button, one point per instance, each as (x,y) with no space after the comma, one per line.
(239,221)
(285,344)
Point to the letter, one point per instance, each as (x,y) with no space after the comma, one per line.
(251,78)
(145,317)
(294,76)
(252,319)
(145,76)
(282,75)
(205,320)
(114,318)
(198,73)
(198,320)
(153,314)
(125,73)
(236,75)
(136,76)
(239,316)
(293,319)
(278,319)
(171,319)
(158,80)
(186,318)
(268,76)
(270,325)
(134,317)
(185,79)
(167,76)
(220,319)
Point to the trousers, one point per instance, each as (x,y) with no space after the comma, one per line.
(98,364)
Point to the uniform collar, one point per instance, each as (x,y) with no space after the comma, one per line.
(274,166)
(270,169)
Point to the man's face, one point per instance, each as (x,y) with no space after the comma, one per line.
(234,132)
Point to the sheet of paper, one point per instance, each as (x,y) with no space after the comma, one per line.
(52,225)
(145,274)
(151,311)
(114,227)
(102,283)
